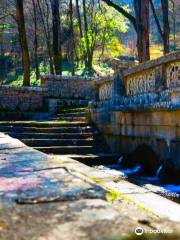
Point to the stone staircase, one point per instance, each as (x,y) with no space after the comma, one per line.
(66,133)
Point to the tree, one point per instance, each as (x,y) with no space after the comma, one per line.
(35,41)
(166,29)
(164,33)
(56,33)
(89,52)
(140,23)
(23,42)
(72,38)
(46,28)
(79,18)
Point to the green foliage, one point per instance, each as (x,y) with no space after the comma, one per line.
(43,68)
(4,26)
(18,80)
(103,33)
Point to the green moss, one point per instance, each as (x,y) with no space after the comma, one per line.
(62,121)
(73,110)
(113,195)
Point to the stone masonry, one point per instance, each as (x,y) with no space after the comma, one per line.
(141,105)
(21,98)
(68,87)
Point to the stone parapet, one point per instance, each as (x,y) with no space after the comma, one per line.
(21,98)
(68,87)
(153,76)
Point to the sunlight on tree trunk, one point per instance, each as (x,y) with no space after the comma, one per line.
(142,21)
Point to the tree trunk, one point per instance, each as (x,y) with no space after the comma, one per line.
(166,28)
(56,32)
(79,18)
(142,22)
(23,42)
(35,42)
(46,32)
(88,60)
(72,38)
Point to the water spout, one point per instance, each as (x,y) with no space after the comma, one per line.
(159,171)
(168,142)
(130,171)
(120,160)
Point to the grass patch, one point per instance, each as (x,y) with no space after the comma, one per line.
(62,121)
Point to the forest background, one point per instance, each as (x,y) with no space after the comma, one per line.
(81,37)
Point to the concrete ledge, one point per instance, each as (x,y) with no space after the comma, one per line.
(145,199)
(22,89)
(74,198)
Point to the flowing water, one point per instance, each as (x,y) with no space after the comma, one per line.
(153,184)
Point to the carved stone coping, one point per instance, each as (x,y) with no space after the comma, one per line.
(171,57)
(61,77)
(102,81)
(23,89)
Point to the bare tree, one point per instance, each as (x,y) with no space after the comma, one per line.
(164,33)
(56,33)
(46,33)
(23,41)
(35,40)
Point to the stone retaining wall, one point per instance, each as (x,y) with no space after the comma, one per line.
(21,98)
(68,87)
(143,108)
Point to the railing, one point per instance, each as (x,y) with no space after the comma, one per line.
(103,88)
(153,77)
(173,74)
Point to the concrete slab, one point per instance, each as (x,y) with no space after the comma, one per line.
(47,197)
(152,202)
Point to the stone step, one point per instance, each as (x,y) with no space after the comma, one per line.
(73,110)
(59,142)
(72,104)
(70,119)
(44,124)
(73,114)
(61,129)
(68,149)
(26,135)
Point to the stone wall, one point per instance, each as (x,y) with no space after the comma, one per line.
(144,108)
(68,87)
(21,98)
